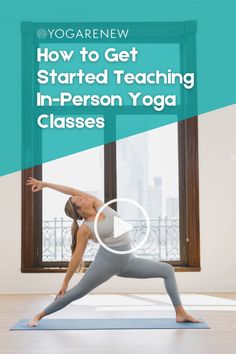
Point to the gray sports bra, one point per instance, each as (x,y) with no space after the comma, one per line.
(105,229)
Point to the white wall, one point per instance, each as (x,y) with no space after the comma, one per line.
(217,173)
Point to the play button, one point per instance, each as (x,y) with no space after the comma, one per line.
(121,227)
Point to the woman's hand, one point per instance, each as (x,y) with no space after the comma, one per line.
(36,184)
(62,291)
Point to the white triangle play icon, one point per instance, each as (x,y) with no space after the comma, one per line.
(121,227)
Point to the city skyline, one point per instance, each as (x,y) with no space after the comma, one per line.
(139,158)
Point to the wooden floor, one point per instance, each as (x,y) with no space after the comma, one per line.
(221,338)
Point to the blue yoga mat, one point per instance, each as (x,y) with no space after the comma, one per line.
(107,323)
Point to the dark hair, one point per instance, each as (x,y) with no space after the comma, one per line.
(72,211)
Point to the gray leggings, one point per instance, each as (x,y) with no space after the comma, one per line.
(107,264)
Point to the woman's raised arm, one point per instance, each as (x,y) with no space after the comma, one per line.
(39,185)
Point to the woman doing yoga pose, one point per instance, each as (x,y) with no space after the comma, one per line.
(83,206)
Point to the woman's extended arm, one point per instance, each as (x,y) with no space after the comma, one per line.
(63,189)
(81,244)
(39,185)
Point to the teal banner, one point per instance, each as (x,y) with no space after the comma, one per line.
(74,76)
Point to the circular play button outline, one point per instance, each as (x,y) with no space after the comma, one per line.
(121,200)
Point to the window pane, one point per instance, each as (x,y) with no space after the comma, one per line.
(85,171)
(147,172)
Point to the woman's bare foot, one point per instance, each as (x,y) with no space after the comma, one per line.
(186,318)
(183,316)
(35,320)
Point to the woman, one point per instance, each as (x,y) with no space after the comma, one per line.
(83,206)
